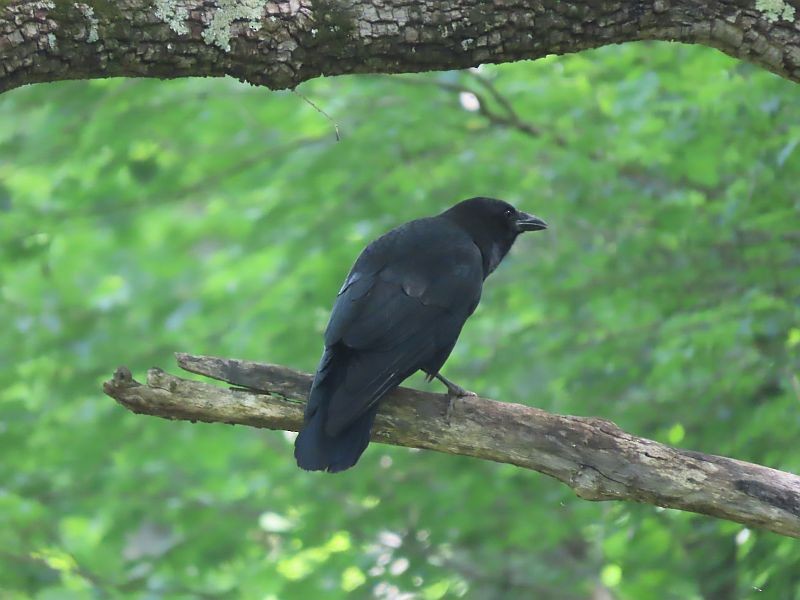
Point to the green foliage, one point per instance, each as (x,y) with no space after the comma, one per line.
(138,218)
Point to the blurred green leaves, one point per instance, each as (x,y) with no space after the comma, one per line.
(139,218)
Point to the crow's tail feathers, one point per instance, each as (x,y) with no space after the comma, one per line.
(317,451)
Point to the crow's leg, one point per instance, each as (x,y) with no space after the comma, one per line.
(454,391)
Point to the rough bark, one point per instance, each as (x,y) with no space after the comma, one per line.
(282,43)
(593,456)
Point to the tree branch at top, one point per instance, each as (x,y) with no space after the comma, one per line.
(280,44)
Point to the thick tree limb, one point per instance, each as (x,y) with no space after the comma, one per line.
(282,43)
(593,456)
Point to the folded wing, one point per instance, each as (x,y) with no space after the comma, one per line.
(393,318)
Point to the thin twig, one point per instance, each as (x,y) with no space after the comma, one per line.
(319,110)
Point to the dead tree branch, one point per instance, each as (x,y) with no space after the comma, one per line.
(593,456)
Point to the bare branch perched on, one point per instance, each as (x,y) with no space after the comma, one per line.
(592,456)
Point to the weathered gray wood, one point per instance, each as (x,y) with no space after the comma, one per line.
(282,43)
(593,456)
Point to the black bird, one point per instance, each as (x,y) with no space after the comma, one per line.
(401,310)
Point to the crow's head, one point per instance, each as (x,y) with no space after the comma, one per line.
(493,225)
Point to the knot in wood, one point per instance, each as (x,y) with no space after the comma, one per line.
(590,484)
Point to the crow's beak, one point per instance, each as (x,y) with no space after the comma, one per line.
(526,222)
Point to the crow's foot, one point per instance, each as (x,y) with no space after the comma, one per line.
(454,392)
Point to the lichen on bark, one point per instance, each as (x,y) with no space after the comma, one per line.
(174,14)
(218,30)
(776,10)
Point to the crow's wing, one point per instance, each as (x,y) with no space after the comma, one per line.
(396,312)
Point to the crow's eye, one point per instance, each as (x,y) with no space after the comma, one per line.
(509,212)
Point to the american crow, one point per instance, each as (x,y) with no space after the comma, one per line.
(401,310)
